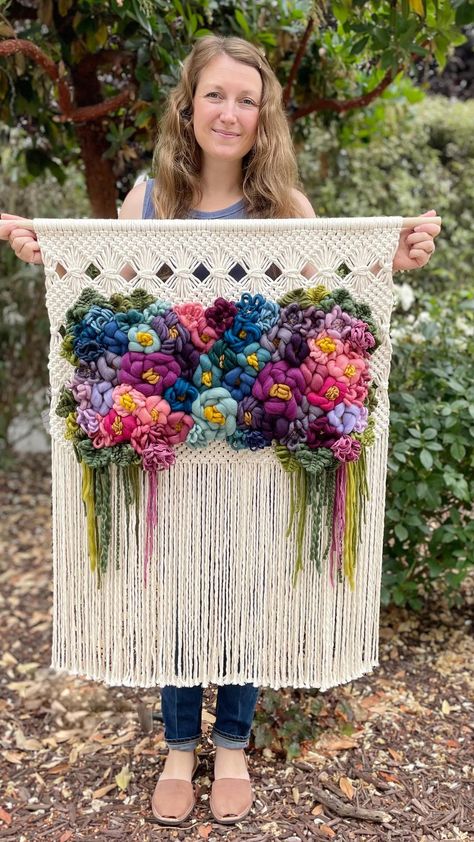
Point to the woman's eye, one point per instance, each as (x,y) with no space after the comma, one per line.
(215,93)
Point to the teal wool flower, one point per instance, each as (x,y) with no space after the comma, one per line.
(215,411)
(143,339)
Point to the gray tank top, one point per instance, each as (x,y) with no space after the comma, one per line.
(235,211)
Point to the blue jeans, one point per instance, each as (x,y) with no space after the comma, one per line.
(181,709)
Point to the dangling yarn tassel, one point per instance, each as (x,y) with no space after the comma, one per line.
(102,498)
(350,520)
(151,518)
(89,502)
(338,522)
(301,508)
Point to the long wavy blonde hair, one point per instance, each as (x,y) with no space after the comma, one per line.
(269,169)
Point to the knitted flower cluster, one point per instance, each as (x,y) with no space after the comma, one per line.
(253,372)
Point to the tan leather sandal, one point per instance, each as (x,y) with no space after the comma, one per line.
(231,799)
(174,799)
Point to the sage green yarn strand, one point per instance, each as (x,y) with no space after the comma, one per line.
(102,479)
(292,505)
(329,492)
(316,497)
(302,485)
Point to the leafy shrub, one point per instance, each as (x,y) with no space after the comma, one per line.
(429,528)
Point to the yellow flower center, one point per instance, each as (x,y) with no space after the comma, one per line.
(144,338)
(242,334)
(206,378)
(151,376)
(332,393)
(178,426)
(213,414)
(252,360)
(326,344)
(127,402)
(117,426)
(281,390)
(350,370)
(154,414)
(173,332)
(248,418)
(205,337)
(221,361)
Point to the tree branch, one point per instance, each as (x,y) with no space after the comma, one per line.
(56,74)
(298,59)
(344,105)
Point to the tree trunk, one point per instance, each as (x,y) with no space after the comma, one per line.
(100,177)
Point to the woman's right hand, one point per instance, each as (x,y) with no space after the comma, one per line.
(22,240)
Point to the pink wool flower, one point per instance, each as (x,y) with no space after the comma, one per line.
(127,400)
(177,427)
(193,317)
(348,368)
(330,393)
(147,434)
(154,410)
(116,428)
(346,449)
(324,347)
(356,394)
(158,456)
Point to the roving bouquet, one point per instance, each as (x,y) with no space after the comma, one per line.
(291,374)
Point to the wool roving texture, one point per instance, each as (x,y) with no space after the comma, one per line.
(219,421)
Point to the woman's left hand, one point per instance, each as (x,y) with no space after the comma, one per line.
(416,245)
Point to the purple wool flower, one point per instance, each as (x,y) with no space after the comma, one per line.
(344,418)
(82,394)
(108,366)
(187,359)
(172,333)
(88,420)
(101,397)
(296,434)
(249,413)
(280,387)
(338,324)
(346,449)
(221,315)
(150,374)
(321,433)
(360,337)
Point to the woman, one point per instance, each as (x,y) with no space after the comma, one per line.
(224,151)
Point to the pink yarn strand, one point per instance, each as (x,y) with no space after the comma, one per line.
(338,521)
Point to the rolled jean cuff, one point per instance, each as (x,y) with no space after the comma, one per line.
(184,745)
(227,741)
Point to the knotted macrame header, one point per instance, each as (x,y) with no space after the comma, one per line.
(219,422)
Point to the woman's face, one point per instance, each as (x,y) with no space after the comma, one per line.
(226,106)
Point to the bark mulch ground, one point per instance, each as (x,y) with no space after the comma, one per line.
(391,759)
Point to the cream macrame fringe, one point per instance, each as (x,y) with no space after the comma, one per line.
(219,606)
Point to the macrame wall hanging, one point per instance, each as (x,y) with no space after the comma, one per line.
(219,429)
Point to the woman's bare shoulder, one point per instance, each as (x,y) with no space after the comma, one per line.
(304,204)
(132,207)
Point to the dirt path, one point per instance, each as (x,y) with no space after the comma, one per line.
(75,765)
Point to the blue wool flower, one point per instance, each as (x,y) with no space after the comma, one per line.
(87,345)
(238,382)
(253,358)
(158,308)
(143,339)
(248,440)
(207,375)
(97,317)
(126,320)
(215,411)
(113,338)
(181,395)
(196,436)
(242,333)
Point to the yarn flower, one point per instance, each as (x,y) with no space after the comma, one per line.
(324,347)
(88,420)
(296,434)
(348,368)
(82,394)
(346,449)
(257,309)
(221,315)
(142,338)
(177,427)
(253,358)
(207,375)
(238,382)
(344,418)
(158,308)
(87,345)
(172,334)
(280,388)
(242,333)
(193,317)
(127,400)
(145,435)
(187,359)
(181,395)
(158,456)
(250,413)
(114,338)
(329,394)
(215,410)
(337,323)
(223,356)
(116,428)
(97,318)
(101,397)
(360,337)
(150,374)
(107,367)
(153,411)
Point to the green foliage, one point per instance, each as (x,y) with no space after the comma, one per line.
(429,529)
(282,726)
(102,48)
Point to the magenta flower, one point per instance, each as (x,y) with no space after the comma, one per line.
(346,449)
(177,427)
(360,336)
(280,389)
(331,392)
(158,456)
(116,428)
(150,374)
